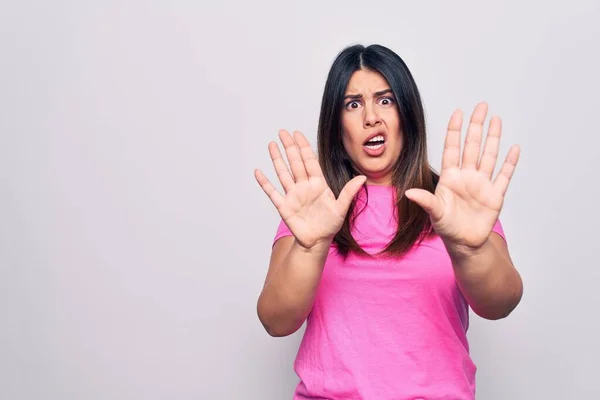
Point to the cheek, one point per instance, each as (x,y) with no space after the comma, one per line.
(392,118)
(393,124)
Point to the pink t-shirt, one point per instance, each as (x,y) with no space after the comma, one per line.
(386,328)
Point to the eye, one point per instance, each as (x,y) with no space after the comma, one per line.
(352,105)
(386,101)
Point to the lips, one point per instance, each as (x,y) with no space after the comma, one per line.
(371,136)
(376,148)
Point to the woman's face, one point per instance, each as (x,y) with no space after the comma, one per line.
(371,126)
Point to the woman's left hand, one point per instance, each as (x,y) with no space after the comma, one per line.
(466,203)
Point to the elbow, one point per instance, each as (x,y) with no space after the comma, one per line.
(273,325)
(278,332)
(500,310)
(493,315)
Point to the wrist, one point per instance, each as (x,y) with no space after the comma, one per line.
(319,247)
(461,251)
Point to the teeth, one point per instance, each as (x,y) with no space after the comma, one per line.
(374,146)
(377,138)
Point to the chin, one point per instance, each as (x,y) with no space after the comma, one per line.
(377,175)
(377,167)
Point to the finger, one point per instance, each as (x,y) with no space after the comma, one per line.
(311,163)
(283,173)
(269,189)
(428,202)
(293,156)
(349,192)
(451,155)
(508,168)
(473,138)
(490,150)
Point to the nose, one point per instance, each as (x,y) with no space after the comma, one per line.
(371,117)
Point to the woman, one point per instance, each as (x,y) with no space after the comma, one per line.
(379,254)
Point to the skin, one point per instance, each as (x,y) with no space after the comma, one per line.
(368,109)
(463,209)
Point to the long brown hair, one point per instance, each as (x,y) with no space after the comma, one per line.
(412,169)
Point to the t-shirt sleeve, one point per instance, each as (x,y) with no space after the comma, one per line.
(282,230)
(498,229)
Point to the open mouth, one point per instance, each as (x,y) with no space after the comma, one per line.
(375,142)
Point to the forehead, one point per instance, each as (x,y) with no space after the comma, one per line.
(366,81)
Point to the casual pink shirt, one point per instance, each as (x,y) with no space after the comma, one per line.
(386,328)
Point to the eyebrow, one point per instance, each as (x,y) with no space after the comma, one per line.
(359,96)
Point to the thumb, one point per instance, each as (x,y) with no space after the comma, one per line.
(349,191)
(428,202)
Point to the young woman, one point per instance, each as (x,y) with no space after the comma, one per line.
(380,255)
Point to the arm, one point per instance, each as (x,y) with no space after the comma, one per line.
(487,278)
(465,207)
(313,215)
(290,286)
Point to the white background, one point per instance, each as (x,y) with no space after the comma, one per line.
(134,240)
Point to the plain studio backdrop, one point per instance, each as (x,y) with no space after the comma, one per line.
(134,240)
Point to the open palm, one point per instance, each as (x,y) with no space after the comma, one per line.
(467,202)
(309,207)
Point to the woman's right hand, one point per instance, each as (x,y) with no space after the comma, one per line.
(309,207)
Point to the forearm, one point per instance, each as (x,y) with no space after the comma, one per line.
(288,296)
(488,280)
